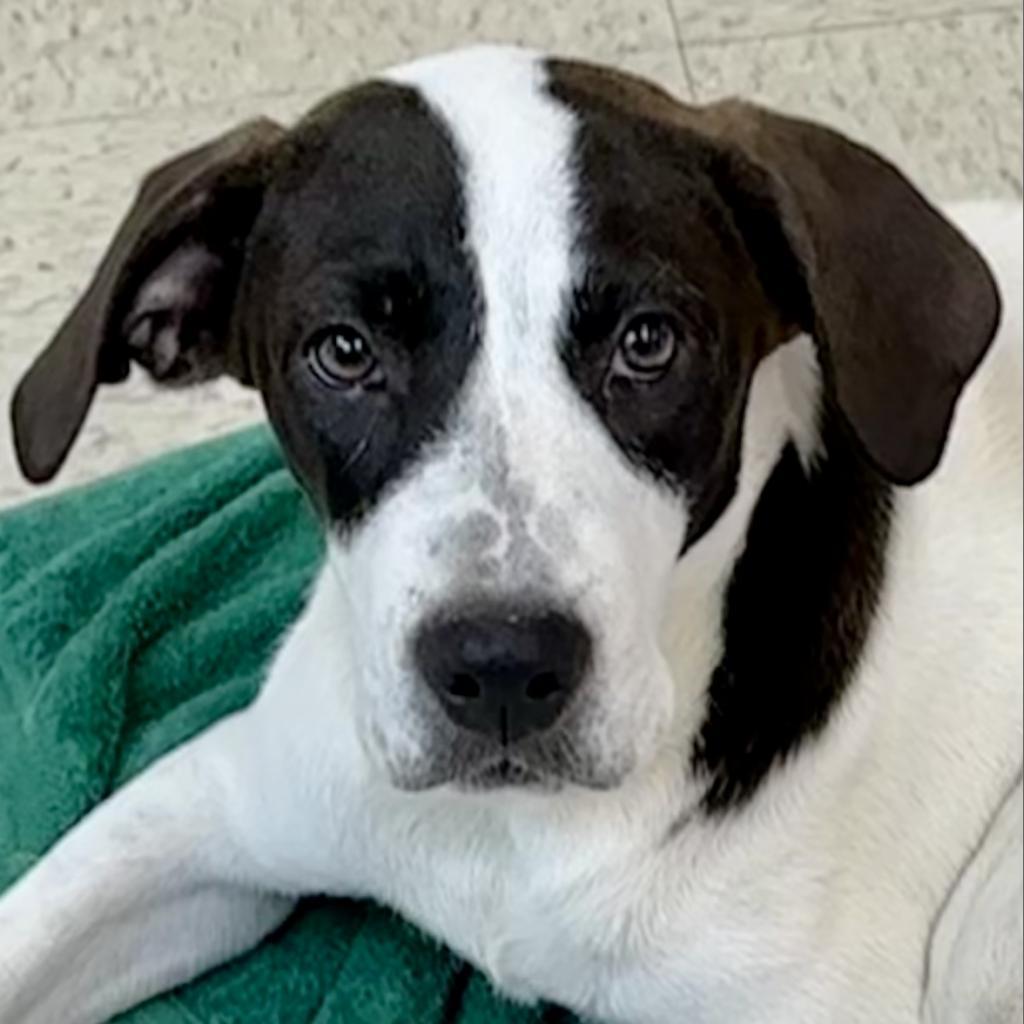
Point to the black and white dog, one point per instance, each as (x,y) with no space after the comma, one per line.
(667,658)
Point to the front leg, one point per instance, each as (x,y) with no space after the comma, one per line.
(150,889)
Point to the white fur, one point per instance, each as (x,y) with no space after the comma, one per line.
(816,903)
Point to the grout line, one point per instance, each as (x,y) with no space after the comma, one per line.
(691,85)
(160,110)
(691,82)
(855,26)
(50,57)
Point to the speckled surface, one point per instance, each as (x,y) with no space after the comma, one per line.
(941,98)
(94,92)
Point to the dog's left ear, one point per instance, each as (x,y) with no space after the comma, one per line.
(162,295)
(902,308)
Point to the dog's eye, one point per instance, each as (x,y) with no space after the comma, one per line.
(646,347)
(341,357)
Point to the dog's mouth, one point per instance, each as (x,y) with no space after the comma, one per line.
(508,771)
(476,770)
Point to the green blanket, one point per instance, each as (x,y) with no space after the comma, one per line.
(132,614)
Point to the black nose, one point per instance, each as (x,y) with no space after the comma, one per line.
(502,673)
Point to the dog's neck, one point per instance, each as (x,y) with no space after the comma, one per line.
(770,611)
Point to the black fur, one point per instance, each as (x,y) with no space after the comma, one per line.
(657,234)
(798,610)
(363,224)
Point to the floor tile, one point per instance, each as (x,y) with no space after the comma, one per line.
(62,59)
(941,98)
(67,59)
(400,29)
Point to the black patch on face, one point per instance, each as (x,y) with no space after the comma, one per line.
(363,226)
(684,428)
(798,611)
(657,236)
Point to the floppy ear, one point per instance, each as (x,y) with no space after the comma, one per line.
(162,295)
(902,308)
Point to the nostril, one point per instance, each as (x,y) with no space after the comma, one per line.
(463,687)
(543,686)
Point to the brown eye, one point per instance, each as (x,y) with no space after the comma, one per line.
(341,357)
(647,347)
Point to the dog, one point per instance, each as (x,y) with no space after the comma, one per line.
(666,658)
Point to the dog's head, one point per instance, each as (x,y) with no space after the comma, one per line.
(505,314)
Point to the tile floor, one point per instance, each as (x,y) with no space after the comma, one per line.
(94,92)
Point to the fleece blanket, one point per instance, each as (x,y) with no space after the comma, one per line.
(135,612)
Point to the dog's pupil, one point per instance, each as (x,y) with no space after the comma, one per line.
(649,342)
(349,348)
(348,353)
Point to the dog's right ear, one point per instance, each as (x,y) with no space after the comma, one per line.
(163,293)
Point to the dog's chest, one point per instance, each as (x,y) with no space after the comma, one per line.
(620,930)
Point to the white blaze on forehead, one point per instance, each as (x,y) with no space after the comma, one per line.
(515,143)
